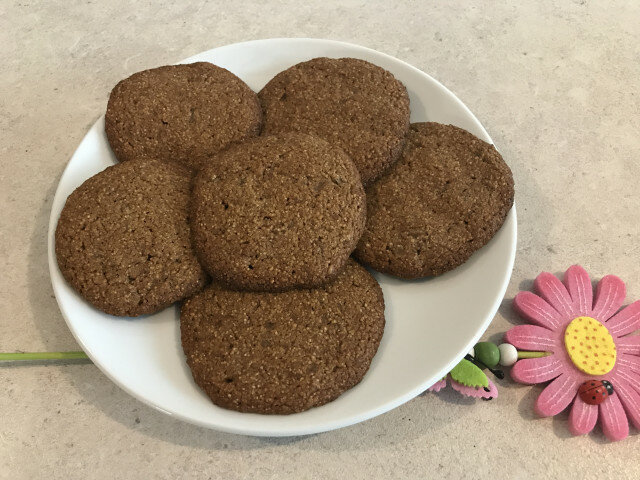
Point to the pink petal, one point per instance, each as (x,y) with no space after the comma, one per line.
(478,392)
(629,345)
(630,400)
(610,294)
(439,385)
(628,363)
(557,395)
(579,285)
(553,291)
(530,337)
(625,321)
(613,419)
(536,310)
(583,417)
(537,370)
(629,377)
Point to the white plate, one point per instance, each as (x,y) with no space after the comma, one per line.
(430,323)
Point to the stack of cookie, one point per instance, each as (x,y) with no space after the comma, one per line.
(265,198)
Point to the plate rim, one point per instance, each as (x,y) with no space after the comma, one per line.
(511,219)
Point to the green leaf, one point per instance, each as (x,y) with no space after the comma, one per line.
(469,375)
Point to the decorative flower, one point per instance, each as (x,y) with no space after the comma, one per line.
(486,393)
(467,376)
(589,351)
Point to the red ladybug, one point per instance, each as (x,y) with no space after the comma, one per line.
(594,392)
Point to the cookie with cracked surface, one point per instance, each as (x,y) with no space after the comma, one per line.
(182,113)
(281,353)
(123,238)
(349,102)
(277,212)
(445,198)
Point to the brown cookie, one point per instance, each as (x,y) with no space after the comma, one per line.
(123,238)
(445,198)
(283,352)
(277,212)
(348,102)
(181,113)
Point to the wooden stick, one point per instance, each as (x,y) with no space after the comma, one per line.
(532,354)
(25,356)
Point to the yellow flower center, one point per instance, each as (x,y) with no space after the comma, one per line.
(590,346)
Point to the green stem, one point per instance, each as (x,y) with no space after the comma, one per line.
(41,356)
(532,354)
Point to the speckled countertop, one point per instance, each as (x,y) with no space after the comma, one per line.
(554,82)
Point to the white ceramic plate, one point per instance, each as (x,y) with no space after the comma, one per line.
(430,323)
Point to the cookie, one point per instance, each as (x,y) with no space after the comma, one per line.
(351,103)
(277,212)
(281,353)
(182,113)
(123,238)
(447,196)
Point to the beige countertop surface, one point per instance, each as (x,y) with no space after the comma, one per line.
(556,84)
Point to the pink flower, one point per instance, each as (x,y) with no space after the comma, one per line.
(475,392)
(558,306)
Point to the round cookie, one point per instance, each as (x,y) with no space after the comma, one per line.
(123,238)
(181,113)
(447,196)
(281,353)
(277,212)
(349,102)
